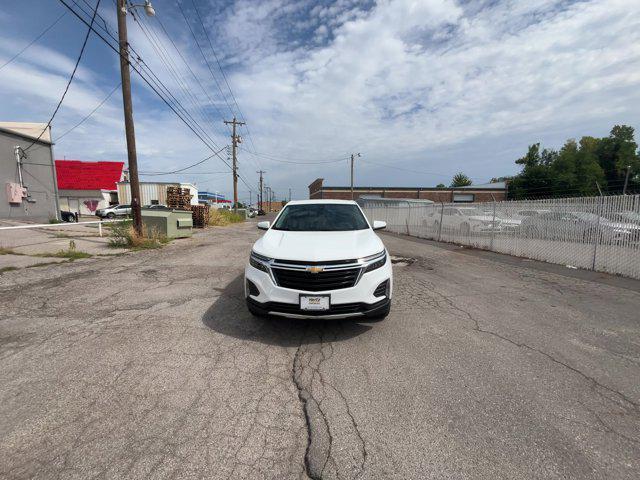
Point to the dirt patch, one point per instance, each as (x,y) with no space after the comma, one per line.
(402,261)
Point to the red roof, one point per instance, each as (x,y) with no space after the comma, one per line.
(79,175)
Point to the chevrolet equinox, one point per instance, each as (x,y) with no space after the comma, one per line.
(319,259)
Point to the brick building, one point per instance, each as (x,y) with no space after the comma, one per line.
(274,206)
(486,192)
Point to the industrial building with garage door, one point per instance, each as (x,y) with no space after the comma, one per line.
(84,187)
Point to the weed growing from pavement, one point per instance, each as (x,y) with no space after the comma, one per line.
(7,269)
(123,235)
(71,253)
(8,251)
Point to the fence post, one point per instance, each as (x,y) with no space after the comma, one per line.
(440,224)
(493,224)
(100,228)
(597,239)
(408,220)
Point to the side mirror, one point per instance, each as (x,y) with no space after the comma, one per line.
(379,225)
(264,225)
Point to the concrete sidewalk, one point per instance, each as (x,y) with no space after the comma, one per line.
(40,241)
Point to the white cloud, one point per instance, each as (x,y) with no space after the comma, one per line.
(431,85)
(412,77)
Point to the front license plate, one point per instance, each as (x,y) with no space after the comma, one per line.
(314,302)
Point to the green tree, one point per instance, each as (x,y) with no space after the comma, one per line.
(441,185)
(460,180)
(578,167)
(615,153)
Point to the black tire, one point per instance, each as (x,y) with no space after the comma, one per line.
(111,215)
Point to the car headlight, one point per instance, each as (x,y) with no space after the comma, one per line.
(259,261)
(377,261)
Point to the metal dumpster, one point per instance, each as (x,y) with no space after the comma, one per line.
(167,222)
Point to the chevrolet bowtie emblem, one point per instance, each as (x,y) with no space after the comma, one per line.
(315,269)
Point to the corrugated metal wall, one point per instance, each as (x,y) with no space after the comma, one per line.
(153,192)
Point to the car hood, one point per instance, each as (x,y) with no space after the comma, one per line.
(318,246)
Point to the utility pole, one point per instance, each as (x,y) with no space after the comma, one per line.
(268,190)
(260,199)
(250,198)
(235,140)
(132,157)
(352,158)
(626,180)
(289,194)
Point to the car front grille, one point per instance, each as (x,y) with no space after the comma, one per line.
(316,282)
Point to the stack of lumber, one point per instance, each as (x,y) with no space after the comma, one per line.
(200,215)
(179,198)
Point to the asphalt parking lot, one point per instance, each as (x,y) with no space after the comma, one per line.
(147,365)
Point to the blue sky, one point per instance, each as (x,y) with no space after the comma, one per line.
(429,87)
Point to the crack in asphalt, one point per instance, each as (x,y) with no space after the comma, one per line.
(324,413)
(628,404)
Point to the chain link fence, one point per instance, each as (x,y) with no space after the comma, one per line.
(595,233)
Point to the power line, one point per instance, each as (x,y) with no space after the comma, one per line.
(169,65)
(142,64)
(155,88)
(188,167)
(204,57)
(33,41)
(73,73)
(212,103)
(283,160)
(90,113)
(406,169)
(224,76)
(226,172)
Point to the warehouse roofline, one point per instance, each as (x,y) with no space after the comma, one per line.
(28,131)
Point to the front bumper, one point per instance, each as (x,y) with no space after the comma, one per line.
(344,310)
(356,301)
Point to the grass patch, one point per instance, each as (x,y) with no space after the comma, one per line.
(71,253)
(45,264)
(8,251)
(54,220)
(219,217)
(7,269)
(123,235)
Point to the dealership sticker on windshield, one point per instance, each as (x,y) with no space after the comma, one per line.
(314,302)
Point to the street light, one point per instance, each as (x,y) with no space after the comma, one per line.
(148,8)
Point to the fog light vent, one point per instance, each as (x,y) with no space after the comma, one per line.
(381,290)
(252,289)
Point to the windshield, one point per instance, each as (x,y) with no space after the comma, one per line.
(321,217)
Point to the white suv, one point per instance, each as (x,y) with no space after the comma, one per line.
(319,259)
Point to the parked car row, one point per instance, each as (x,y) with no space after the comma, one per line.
(538,223)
